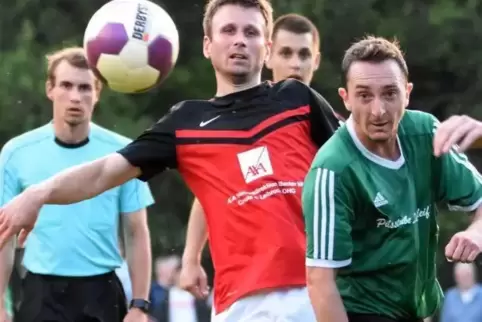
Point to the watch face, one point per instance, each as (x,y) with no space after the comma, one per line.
(143,305)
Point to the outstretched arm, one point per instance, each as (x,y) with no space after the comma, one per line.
(85,181)
(152,152)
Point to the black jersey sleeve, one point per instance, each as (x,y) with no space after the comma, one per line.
(155,149)
(324,120)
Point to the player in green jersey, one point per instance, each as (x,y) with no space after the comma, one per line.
(370,198)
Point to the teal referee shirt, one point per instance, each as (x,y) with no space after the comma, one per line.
(70,240)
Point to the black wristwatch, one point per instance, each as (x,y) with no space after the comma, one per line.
(140,304)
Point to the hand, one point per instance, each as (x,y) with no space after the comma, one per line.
(136,315)
(193,279)
(464,246)
(19,216)
(4,317)
(458,130)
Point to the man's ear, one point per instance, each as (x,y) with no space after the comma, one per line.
(207,47)
(344,96)
(48,89)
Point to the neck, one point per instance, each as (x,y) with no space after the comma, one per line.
(465,288)
(226,86)
(71,134)
(162,282)
(388,149)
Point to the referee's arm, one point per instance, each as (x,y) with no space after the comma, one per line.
(138,251)
(135,197)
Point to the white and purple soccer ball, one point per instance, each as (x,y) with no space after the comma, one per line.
(131,45)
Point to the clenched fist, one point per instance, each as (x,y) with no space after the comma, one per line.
(464,246)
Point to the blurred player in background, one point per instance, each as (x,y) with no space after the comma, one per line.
(294,54)
(370,198)
(244,154)
(73,250)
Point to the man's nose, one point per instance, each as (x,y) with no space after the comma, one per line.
(378,107)
(74,95)
(294,62)
(240,39)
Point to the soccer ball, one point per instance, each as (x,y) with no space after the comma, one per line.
(131,45)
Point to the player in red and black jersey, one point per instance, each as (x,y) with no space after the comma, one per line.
(294,54)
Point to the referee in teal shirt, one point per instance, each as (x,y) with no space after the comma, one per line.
(72,253)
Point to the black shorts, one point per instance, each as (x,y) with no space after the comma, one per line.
(356,317)
(72,299)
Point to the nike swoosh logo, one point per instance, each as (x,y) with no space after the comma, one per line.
(204,123)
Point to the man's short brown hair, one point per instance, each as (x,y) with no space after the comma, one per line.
(376,50)
(75,56)
(297,24)
(264,6)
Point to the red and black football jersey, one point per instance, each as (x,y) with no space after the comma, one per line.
(245,157)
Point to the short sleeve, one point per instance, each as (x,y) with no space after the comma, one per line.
(328,214)
(10,185)
(324,120)
(459,184)
(135,195)
(154,150)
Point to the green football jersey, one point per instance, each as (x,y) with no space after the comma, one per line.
(375,219)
